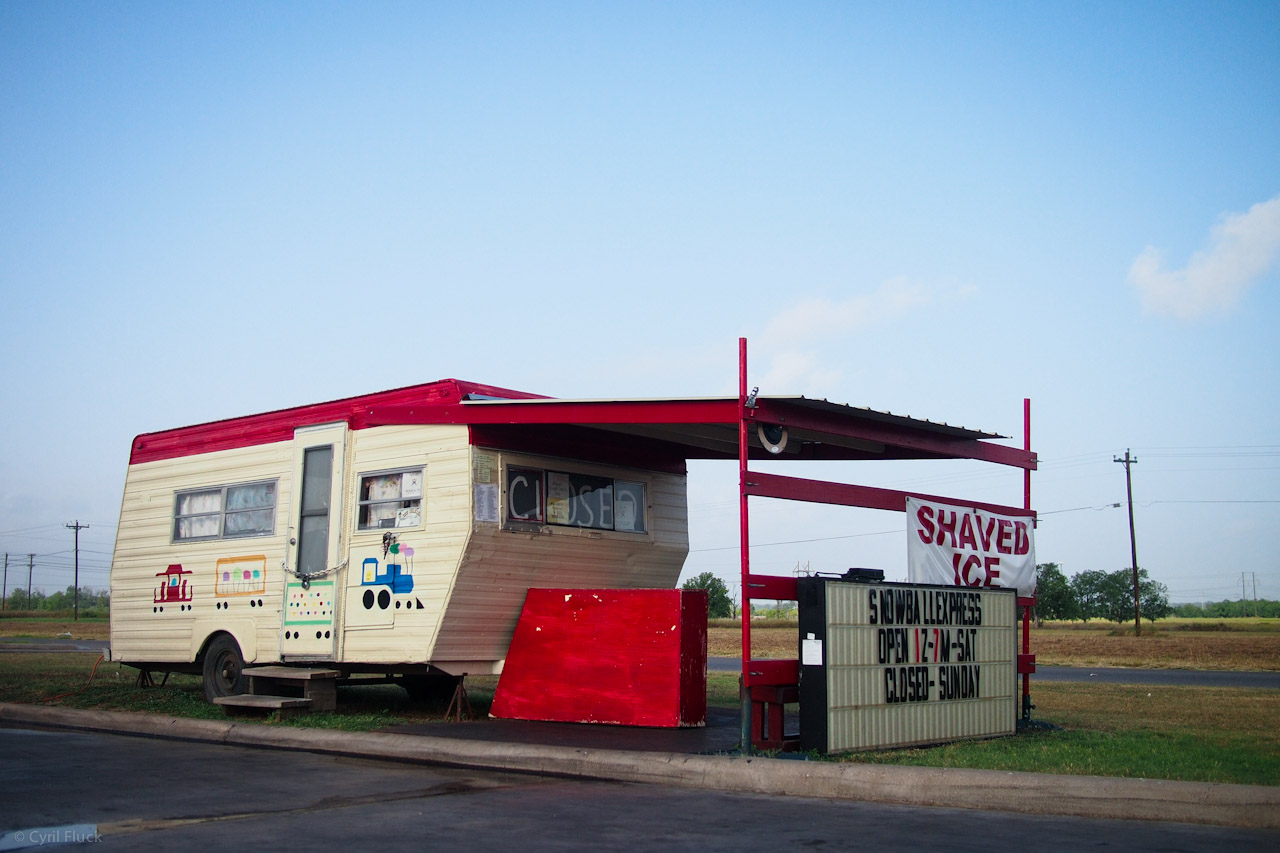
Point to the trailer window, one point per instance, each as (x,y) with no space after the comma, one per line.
(575,500)
(225,512)
(524,495)
(628,506)
(391,499)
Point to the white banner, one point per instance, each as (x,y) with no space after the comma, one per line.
(963,546)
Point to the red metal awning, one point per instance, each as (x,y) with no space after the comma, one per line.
(707,427)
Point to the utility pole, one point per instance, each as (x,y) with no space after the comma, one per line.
(1244,593)
(77,527)
(31,559)
(4,592)
(1133,541)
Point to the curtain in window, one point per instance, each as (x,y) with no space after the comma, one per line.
(385,488)
(196,527)
(194,503)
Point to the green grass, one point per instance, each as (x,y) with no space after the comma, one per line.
(1201,734)
(62,679)
(372,707)
(1132,754)
(1187,733)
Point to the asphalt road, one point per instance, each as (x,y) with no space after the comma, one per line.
(1178,677)
(143,794)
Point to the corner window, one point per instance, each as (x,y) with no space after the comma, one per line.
(225,512)
(391,499)
(524,495)
(575,500)
(628,506)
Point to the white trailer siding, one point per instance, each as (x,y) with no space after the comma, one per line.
(404,631)
(140,630)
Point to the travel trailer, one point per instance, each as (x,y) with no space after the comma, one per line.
(376,534)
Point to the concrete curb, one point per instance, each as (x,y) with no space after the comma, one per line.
(1250,806)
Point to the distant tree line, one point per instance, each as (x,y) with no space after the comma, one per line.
(780,610)
(1228,609)
(93,602)
(1097,594)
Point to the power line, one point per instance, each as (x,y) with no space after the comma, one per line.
(27,529)
(1213,502)
(1039,514)
(1217,454)
(796,541)
(1078,509)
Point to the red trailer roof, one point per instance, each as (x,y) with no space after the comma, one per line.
(279,425)
(661,432)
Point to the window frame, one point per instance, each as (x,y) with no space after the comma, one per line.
(545,514)
(222,512)
(361,504)
(540,489)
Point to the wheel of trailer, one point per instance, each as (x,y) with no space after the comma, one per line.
(223,668)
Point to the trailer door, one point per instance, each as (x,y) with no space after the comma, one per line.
(309,624)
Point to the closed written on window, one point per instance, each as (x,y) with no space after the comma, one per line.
(225,512)
(575,500)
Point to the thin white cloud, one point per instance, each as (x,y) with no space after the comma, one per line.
(818,318)
(791,339)
(802,372)
(1241,249)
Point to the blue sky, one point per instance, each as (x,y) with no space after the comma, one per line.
(930,208)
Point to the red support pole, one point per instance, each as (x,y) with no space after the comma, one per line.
(1026,504)
(1026,445)
(744,544)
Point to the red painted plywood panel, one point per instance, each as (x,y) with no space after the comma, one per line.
(635,657)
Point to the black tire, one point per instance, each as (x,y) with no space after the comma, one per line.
(223,668)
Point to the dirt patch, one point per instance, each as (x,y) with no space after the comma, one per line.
(98,629)
(1225,650)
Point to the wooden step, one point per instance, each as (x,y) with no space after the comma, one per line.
(319,686)
(285,706)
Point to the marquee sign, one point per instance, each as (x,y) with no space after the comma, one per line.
(963,546)
(889,664)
